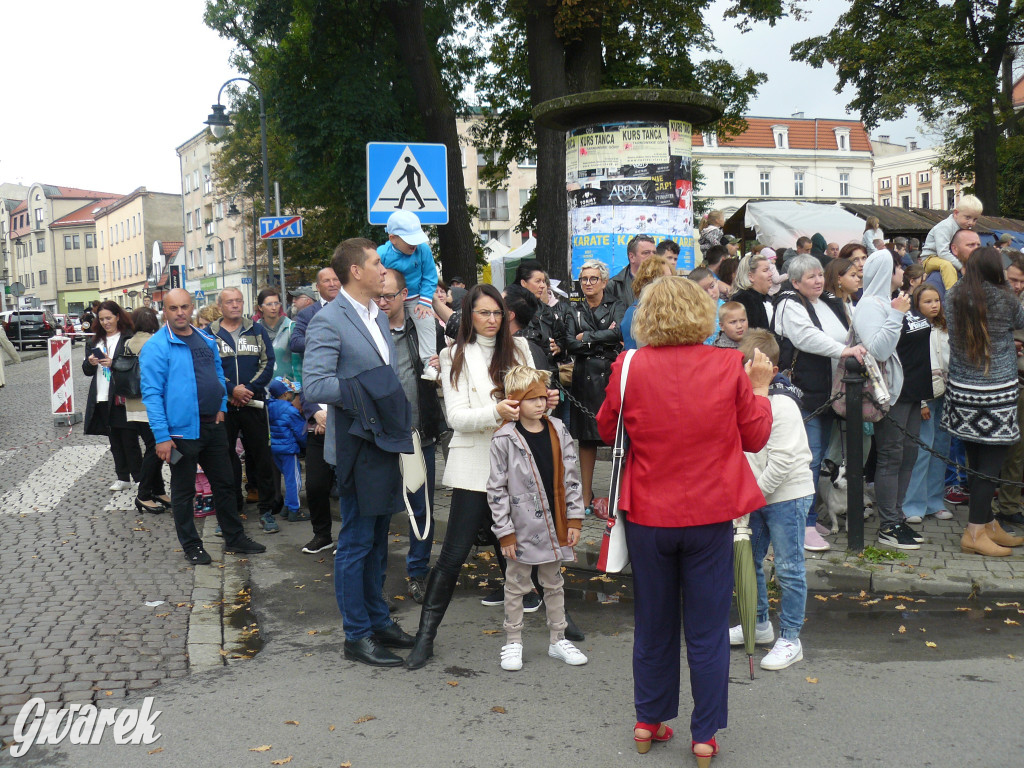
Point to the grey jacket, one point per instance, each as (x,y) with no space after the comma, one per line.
(519,504)
(876,324)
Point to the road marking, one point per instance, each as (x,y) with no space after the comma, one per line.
(46,487)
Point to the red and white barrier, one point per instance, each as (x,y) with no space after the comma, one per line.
(62,389)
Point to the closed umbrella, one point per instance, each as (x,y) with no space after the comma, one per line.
(746,584)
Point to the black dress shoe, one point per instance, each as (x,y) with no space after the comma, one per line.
(369,651)
(394,637)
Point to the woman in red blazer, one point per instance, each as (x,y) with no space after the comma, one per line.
(690,412)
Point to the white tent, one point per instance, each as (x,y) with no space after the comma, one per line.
(778,223)
(498,260)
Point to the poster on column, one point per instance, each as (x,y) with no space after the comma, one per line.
(625,180)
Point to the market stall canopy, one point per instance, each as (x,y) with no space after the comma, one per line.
(778,223)
(894,221)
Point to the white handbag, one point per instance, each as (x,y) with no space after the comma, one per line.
(614,556)
(414,477)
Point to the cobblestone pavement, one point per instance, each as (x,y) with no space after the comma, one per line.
(79,564)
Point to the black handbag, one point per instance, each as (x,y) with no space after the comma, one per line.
(125,379)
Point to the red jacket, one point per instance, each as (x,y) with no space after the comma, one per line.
(690,414)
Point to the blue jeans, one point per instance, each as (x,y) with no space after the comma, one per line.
(819,432)
(358,579)
(782,525)
(956,476)
(924,496)
(417,562)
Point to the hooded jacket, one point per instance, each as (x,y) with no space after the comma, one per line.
(876,324)
(783,466)
(251,363)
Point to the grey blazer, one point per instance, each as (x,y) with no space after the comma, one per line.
(339,346)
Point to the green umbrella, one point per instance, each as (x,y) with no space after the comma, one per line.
(746,584)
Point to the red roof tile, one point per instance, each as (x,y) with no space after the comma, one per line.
(169,248)
(75,192)
(83,216)
(804,133)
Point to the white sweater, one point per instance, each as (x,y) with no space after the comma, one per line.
(783,466)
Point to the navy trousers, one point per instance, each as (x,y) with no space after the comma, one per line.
(685,571)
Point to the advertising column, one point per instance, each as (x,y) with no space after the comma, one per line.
(626,179)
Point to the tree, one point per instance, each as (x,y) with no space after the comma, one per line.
(546,49)
(943,58)
(336,75)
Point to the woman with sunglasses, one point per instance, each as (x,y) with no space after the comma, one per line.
(472,374)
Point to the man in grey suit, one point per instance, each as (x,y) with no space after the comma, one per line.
(350,365)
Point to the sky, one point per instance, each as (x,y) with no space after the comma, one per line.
(107,90)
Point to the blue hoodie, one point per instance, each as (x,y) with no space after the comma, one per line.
(287,427)
(417,268)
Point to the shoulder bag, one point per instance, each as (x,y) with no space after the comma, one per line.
(875,400)
(614,555)
(414,477)
(125,379)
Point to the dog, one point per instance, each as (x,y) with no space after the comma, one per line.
(832,487)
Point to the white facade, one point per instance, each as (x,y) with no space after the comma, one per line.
(908,177)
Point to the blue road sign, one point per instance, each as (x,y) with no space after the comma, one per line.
(246,281)
(200,294)
(409,177)
(280,227)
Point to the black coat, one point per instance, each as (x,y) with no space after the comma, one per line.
(753,302)
(593,356)
(94,424)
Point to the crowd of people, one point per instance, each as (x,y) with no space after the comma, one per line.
(727,411)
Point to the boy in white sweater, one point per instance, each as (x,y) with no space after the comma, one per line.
(783,473)
(936,255)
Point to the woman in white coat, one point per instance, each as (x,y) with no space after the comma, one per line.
(472,371)
(6,348)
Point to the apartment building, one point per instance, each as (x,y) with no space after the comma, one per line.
(908,176)
(216,228)
(126,230)
(786,158)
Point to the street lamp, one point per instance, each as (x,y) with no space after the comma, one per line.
(219,122)
(209,249)
(233,211)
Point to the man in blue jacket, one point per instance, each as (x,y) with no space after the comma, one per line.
(185,397)
(247,356)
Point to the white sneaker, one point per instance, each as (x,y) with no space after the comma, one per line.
(943,514)
(567,652)
(914,520)
(120,485)
(761,636)
(430,373)
(512,656)
(783,654)
(813,541)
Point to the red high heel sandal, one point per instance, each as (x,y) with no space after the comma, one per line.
(643,745)
(703,761)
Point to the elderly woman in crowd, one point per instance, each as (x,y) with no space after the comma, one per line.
(981,396)
(753,282)
(812,330)
(681,552)
(594,338)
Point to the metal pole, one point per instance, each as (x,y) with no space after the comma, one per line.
(854,380)
(280,244)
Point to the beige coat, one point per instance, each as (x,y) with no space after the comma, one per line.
(473,415)
(6,348)
(133,406)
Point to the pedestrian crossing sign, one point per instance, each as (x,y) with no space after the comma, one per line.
(407,177)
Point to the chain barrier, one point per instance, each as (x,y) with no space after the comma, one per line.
(71,429)
(828,404)
(574,401)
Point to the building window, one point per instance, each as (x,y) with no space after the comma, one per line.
(39,221)
(42,277)
(710,139)
(195,179)
(191,259)
(904,181)
(842,142)
(729,182)
(493,205)
(209,227)
(781,134)
(41,245)
(90,240)
(67,242)
(798,183)
(76,242)
(530,161)
(104,266)
(887,202)
(188,222)
(70,275)
(78,274)
(29,247)
(766,183)
(924,177)
(885,183)
(188,183)
(207,180)
(844,185)
(905,201)
(950,199)
(842,138)
(231,249)
(483,157)
(196,220)
(199,256)
(220,252)
(926,200)
(92,273)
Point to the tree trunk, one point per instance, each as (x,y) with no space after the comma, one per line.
(546,60)
(456,241)
(986,167)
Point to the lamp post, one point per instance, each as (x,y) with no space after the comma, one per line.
(219,122)
(209,249)
(233,211)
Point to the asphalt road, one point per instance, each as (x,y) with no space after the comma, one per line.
(865,694)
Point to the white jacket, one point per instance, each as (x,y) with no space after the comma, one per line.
(472,413)
(783,466)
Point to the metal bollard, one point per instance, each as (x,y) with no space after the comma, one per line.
(854,380)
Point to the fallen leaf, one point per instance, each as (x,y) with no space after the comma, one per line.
(301,586)
(922,629)
(837,595)
(155,751)
(888,597)
(264,748)
(499,710)
(821,597)
(900,607)
(811,680)
(863,593)
(330,728)
(1012,622)
(870,602)
(346,765)
(963,609)
(491,631)
(311,632)
(291,722)
(365,719)
(108,693)
(399,597)
(902,630)
(161,615)
(1007,605)
(987,608)
(281,762)
(453,683)
(930,644)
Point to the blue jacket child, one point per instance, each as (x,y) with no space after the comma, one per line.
(287,440)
